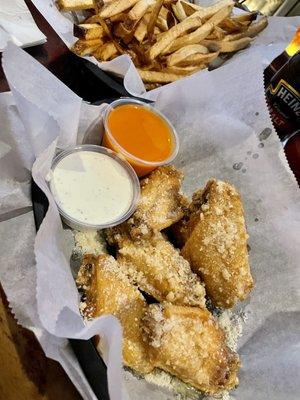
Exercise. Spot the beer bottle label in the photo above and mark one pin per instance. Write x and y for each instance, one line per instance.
(284, 106)
(289, 96)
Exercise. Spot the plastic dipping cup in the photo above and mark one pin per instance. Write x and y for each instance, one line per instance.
(140, 133)
(93, 187)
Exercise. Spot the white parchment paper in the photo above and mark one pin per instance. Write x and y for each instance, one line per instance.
(17, 25)
(219, 117)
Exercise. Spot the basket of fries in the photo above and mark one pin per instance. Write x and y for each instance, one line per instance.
(166, 39)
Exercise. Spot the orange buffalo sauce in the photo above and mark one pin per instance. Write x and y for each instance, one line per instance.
(144, 138)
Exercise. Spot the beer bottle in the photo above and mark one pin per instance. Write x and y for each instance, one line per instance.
(283, 90)
(279, 61)
(283, 97)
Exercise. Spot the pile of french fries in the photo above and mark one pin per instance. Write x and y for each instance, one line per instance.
(166, 39)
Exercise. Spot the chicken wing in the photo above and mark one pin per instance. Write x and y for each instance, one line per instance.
(182, 230)
(188, 343)
(214, 240)
(161, 205)
(108, 291)
(159, 270)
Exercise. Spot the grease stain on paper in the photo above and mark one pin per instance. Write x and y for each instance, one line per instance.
(264, 134)
(237, 166)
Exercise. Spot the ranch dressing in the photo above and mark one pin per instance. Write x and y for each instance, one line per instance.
(91, 187)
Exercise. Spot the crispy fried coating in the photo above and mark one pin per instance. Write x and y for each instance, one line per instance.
(159, 270)
(108, 291)
(188, 343)
(181, 230)
(214, 239)
(161, 205)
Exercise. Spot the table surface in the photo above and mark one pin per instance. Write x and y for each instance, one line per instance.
(25, 372)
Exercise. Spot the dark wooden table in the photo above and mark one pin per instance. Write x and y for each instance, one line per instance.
(25, 372)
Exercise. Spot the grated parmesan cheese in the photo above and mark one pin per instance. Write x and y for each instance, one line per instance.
(232, 324)
(181, 390)
(89, 242)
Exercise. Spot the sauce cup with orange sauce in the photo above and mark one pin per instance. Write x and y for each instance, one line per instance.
(140, 133)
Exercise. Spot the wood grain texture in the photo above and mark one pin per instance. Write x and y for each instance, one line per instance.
(25, 372)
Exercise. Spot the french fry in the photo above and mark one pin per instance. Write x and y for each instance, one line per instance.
(109, 34)
(139, 9)
(153, 18)
(189, 8)
(207, 12)
(75, 5)
(162, 19)
(198, 59)
(248, 18)
(201, 33)
(126, 29)
(105, 52)
(98, 4)
(140, 51)
(184, 70)
(141, 29)
(162, 24)
(252, 31)
(217, 34)
(212, 45)
(86, 47)
(257, 27)
(227, 46)
(121, 30)
(93, 19)
(164, 12)
(181, 54)
(118, 17)
(179, 11)
(166, 39)
(157, 31)
(172, 34)
(234, 36)
(91, 31)
(158, 77)
(230, 25)
(168, 2)
(115, 7)
(234, 45)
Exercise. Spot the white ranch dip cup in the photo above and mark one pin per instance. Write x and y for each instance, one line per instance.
(93, 187)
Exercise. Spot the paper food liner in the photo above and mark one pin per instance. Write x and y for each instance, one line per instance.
(279, 31)
(219, 117)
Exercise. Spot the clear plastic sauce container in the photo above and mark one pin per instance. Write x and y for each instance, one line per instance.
(93, 187)
(140, 133)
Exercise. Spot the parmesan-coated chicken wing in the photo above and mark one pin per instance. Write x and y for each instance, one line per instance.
(214, 240)
(159, 270)
(188, 343)
(108, 291)
(161, 205)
